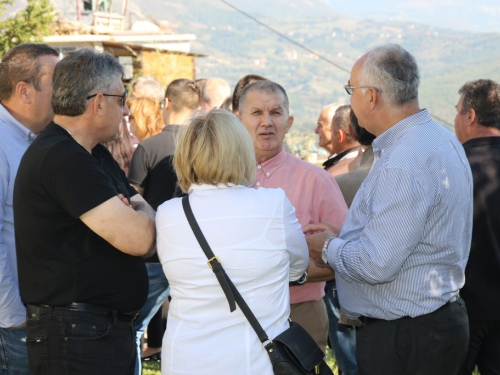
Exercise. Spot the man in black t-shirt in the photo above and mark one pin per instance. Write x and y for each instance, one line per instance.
(477, 126)
(152, 174)
(81, 228)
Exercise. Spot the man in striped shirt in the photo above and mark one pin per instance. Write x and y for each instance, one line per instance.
(401, 254)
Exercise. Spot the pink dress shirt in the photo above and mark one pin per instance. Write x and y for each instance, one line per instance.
(316, 197)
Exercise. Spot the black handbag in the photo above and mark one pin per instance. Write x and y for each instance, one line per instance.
(292, 352)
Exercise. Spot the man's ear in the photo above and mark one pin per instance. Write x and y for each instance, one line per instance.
(97, 105)
(342, 136)
(289, 123)
(167, 103)
(373, 97)
(471, 116)
(23, 91)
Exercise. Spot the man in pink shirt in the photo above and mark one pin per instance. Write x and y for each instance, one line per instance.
(264, 110)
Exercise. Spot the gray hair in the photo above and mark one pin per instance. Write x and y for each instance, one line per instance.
(148, 87)
(266, 86)
(393, 70)
(342, 120)
(80, 74)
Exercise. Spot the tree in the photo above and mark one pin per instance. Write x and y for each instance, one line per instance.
(29, 25)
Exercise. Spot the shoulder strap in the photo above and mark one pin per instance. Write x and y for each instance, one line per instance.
(232, 294)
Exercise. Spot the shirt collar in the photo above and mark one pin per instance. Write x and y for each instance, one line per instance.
(202, 187)
(25, 132)
(395, 132)
(270, 166)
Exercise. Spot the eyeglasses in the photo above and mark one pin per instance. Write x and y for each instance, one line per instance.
(124, 97)
(349, 88)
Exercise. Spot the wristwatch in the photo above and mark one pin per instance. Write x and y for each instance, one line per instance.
(300, 281)
(324, 256)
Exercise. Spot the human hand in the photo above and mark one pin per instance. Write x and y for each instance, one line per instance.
(124, 200)
(321, 227)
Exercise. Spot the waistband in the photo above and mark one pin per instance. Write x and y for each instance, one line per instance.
(36, 311)
(366, 319)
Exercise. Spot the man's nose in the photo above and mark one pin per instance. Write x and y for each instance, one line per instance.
(266, 119)
(126, 111)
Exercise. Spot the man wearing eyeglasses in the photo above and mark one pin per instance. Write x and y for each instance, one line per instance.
(81, 228)
(400, 257)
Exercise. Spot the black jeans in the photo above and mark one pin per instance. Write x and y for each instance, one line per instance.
(431, 344)
(484, 347)
(70, 342)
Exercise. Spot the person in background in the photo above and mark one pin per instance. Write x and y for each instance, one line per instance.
(25, 109)
(122, 148)
(81, 228)
(254, 233)
(400, 258)
(345, 147)
(477, 125)
(146, 117)
(152, 174)
(242, 83)
(324, 128)
(350, 182)
(264, 111)
(213, 93)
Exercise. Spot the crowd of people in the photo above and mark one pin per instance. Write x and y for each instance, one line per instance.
(389, 254)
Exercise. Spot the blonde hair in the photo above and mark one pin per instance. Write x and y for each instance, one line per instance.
(147, 114)
(214, 149)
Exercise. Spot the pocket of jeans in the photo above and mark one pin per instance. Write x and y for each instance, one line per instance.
(79, 328)
(38, 354)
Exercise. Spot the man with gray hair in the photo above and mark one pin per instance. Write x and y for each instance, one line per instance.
(81, 228)
(25, 90)
(344, 146)
(400, 257)
(213, 93)
(148, 87)
(477, 125)
(264, 111)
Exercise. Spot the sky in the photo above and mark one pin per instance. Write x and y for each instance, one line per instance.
(460, 15)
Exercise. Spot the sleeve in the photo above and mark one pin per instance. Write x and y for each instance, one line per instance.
(138, 169)
(75, 180)
(400, 208)
(12, 311)
(330, 204)
(295, 241)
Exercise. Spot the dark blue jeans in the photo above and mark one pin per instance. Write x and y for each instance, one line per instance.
(69, 342)
(13, 353)
(342, 337)
(431, 344)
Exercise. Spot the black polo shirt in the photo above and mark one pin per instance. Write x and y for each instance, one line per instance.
(60, 260)
(482, 274)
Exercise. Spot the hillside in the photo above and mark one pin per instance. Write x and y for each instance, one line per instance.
(236, 46)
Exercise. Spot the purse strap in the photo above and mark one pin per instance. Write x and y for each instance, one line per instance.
(232, 294)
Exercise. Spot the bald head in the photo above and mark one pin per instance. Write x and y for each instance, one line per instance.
(213, 93)
(324, 127)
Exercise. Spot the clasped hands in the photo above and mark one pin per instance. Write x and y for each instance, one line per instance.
(316, 235)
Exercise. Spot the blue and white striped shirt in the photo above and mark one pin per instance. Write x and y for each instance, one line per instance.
(405, 242)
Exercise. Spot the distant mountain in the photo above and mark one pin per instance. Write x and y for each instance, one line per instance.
(236, 46)
(459, 15)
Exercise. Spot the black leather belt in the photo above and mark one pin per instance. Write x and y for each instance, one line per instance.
(366, 319)
(36, 311)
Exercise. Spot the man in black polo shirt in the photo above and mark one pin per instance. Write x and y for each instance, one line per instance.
(81, 228)
(152, 174)
(477, 126)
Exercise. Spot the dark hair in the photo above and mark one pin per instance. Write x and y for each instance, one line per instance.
(242, 83)
(265, 86)
(122, 148)
(342, 120)
(183, 93)
(80, 74)
(483, 96)
(20, 64)
(364, 137)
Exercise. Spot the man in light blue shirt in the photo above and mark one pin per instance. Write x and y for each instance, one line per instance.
(401, 254)
(25, 109)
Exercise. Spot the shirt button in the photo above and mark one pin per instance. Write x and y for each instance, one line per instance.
(258, 183)
(267, 174)
(259, 166)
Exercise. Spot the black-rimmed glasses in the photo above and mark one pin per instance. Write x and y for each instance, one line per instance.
(349, 88)
(124, 97)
